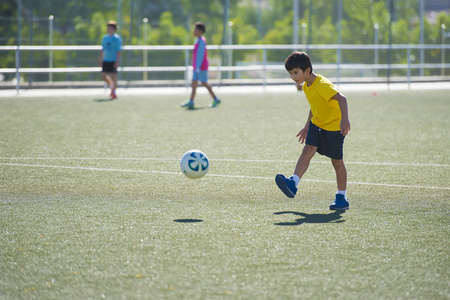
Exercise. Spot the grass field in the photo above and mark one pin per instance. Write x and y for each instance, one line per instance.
(93, 205)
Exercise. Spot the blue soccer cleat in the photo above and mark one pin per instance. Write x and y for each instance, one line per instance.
(340, 203)
(286, 185)
(215, 102)
(189, 104)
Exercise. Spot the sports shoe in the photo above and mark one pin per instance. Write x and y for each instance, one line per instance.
(113, 95)
(286, 185)
(215, 103)
(189, 104)
(340, 203)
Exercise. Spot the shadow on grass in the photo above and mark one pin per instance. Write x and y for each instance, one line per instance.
(103, 100)
(188, 220)
(333, 217)
(195, 108)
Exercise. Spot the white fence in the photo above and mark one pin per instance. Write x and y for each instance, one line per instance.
(263, 66)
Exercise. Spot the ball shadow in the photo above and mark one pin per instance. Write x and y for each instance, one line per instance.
(188, 220)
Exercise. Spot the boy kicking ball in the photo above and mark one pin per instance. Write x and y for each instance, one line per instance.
(324, 131)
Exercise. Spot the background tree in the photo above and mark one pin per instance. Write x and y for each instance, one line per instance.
(170, 22)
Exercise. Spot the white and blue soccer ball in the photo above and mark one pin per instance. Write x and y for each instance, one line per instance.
(194, 164)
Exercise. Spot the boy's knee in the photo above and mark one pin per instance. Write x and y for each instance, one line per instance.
(337, 163)
(309, 150)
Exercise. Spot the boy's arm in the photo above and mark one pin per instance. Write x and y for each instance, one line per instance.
(304, 131)
(116, 63)
(100, 59)
(310, 115)
(200, 55)
(345, 122)
(119, 52)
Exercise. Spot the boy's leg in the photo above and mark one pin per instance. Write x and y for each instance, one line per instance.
(216, 101)
(114, 80)
(106, 78)
(289, 185)
(190, 104)
(341, 173)
(341, 202)
(209, 88)
(194, 89)
(114, 85)
(304, 160)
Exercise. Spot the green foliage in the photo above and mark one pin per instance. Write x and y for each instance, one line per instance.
(170, 22)
(168, 33)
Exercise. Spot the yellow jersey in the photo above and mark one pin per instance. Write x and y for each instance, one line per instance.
(326, 112)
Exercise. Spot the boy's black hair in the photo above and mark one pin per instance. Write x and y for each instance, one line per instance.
(298, 60)
(200, 26)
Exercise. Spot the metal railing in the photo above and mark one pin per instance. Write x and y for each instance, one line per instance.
(264, 67)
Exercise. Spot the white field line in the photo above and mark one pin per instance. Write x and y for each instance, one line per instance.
(216, 175)
(225, 160)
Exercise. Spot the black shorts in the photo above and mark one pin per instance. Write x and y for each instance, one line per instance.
(328, 143)
(108, 67)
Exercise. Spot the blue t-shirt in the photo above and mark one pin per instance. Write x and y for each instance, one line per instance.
(111, 44)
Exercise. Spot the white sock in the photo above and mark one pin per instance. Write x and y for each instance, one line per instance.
(343, 192)
(296, 179)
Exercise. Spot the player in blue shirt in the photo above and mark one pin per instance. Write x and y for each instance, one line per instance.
(110, 56)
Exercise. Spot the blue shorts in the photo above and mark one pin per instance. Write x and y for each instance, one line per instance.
(202, 76)
(328, 143)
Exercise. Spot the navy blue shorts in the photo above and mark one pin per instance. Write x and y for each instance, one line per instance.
(328, 143)
(108, 67)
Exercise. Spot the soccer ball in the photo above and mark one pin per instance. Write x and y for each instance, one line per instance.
(194, 164)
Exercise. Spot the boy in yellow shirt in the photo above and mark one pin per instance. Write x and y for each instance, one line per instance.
(324, 131)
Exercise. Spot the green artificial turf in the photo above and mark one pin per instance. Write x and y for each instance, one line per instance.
(93, 204)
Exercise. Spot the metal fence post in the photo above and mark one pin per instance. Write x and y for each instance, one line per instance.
(375, 42)
(17, 70)
(50, 42)
(304, 34)
(443, 50)
(145, 55)
(422, 34)
(230, 52)
(338, 62)
(295, 24)
(264, 68)
(186, 65)
(219, 67)
(339, 50)
(408, 72)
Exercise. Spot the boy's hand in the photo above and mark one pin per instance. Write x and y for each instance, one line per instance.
(302, 135)
(345, 126)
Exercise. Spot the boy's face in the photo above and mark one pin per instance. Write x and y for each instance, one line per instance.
(298, 75)
(197, 32)
(111, 30)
